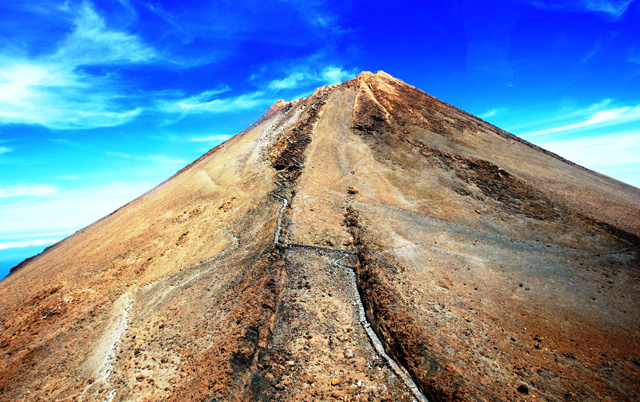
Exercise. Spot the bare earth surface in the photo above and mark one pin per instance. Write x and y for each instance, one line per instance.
(366, 243)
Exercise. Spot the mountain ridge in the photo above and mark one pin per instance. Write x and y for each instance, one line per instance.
(364, 74)
(487, 268)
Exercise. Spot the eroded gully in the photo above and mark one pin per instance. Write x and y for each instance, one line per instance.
(373, 338)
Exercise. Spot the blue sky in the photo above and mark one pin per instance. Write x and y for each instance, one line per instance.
(102, 100)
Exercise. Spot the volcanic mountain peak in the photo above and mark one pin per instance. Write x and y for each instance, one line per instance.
(368, 242)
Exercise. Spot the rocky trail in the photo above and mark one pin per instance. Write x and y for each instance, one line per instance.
(364, 322)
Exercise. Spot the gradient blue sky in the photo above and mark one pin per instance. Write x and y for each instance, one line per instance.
(101, 101)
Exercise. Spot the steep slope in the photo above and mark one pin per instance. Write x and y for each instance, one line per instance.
(369, 242)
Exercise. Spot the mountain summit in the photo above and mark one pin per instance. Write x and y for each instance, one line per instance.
(369, 242)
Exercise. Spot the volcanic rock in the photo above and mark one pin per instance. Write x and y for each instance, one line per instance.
(453, 260)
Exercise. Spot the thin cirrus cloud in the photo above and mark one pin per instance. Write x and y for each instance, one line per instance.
(58, 90)
(40, 235)
(4, 150)
(211, 138)
(74, 208)
(616, 149)
(602, 136)
(28, 243)
(614, 154)
(151, 158)
(491, 113)
(54, 91)
(27, 191)
(208, 102)
(92, 42)
(596, 118)
(614, 8)
(304, 77)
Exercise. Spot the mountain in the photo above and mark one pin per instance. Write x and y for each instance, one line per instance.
(368, 242)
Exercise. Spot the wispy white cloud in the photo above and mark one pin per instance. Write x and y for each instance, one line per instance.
(66, 209)
(335, 75)
(168, 159)
(614, 154)
(32, 239)
(54, 91)
(153, 158)
(28, 243)
(211, 138)
(40, 235)
(162, 13)
(301, 76)
(4, 150)
(614, 8)
(92, 42)
(603, 136)
(27, 191)
(131, 10)
(208, 102)
(291, 81)
(318, 13)
(74, 83)
(491, 113)
(621, 148)
(304, 76)
(596, 118)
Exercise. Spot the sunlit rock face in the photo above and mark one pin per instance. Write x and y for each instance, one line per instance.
(369, 242)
